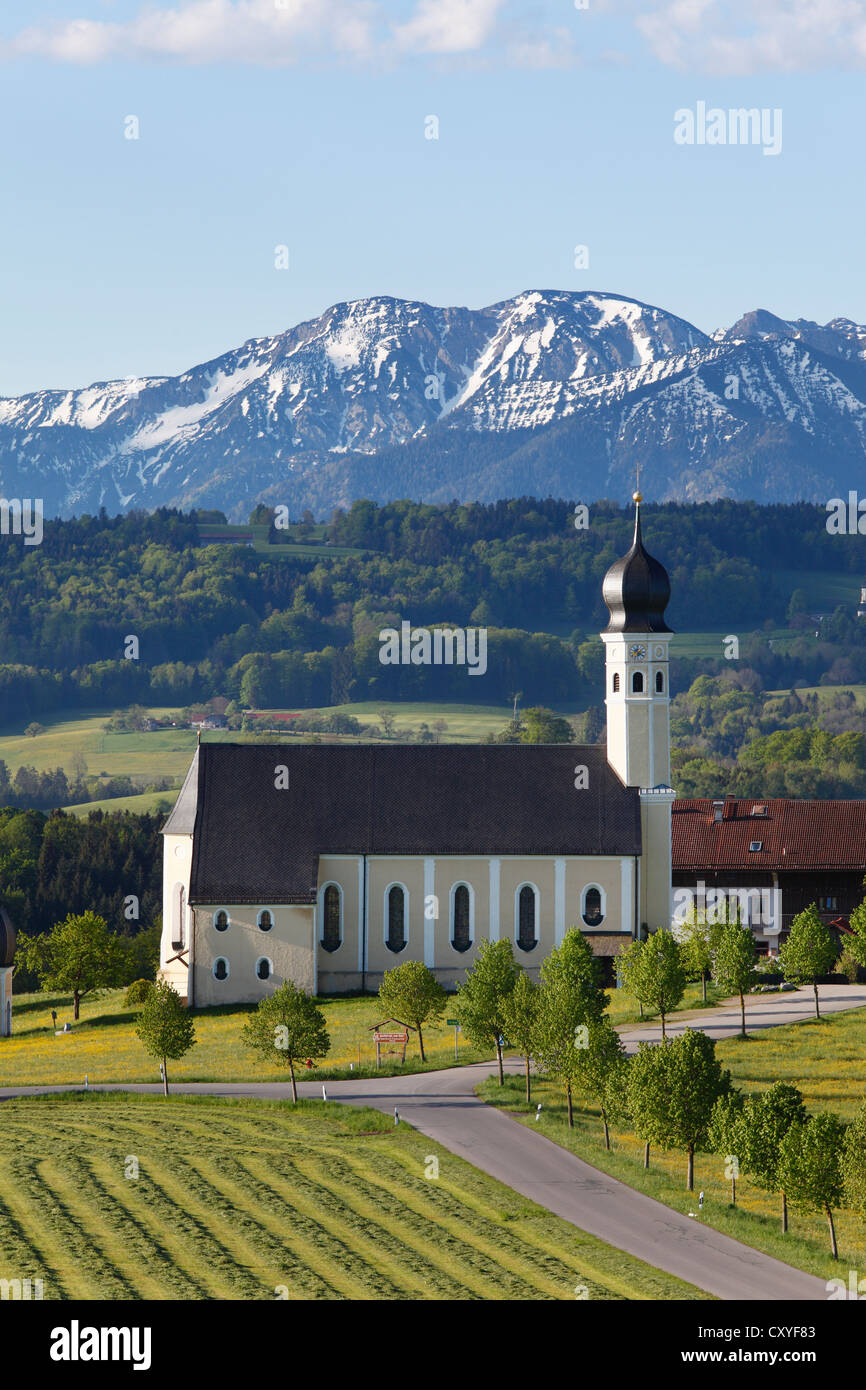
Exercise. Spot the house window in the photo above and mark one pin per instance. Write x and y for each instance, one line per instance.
(395, 938)
(637, 682)
(461, 926)
(264, 968)
(755, 846)
(221, 920)
(332, 918)
(593, 907)
(616, 680)
(660, 682)
(220, 968)
(266, 921)
(527, 915)
(829, 904)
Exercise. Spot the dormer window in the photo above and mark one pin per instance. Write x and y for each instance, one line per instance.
(718, 811)
(755, 846)
(759, 810)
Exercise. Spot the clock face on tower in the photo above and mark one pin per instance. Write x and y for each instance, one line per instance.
(637, 652)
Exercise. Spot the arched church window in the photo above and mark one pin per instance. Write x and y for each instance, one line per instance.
(660, 682)
(221, 920)
(332, 918)
(461, 938)
(220, 968)
(616, 680)
(527, 935)
(396, 937)
(263, 968)
(592, 911)
(266, 921)
(178, 933)
(637, 682)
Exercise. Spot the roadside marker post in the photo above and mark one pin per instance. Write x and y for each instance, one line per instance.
(456, 1024)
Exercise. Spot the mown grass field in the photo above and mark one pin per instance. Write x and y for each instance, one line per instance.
(115, 1197)
(826, 1061)
(103, 1044)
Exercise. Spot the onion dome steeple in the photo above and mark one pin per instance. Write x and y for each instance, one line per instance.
(636, 589)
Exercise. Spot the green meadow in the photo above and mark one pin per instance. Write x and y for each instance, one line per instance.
(120, 1197)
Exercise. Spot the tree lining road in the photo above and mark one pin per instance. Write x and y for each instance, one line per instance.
(443, 1106)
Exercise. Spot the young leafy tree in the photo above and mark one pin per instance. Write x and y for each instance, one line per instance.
(853, 1162)
(734, 963)
(287, 1027)
(412, 994)
(520, 1012)
(767, 1117)
(628, 966)
(697, 938)
(661, 978)
(725, 1136)
(810, 1167)
(480, 1000)
(601, 1073)
(165, 1026)
(571, 999)
(79, 956)
(809, 951)
(695, 1082)
(646, 1093)
(856, 944)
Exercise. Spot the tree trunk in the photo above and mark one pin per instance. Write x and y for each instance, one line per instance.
(704, 985)
(640, 1006)
(528, 1095)
(814, 986)
(294, 1083)
(421, 1043)
(663, 1024)
(743, 1013)
(784, 1213)
(570, 1110)
(76, 1003)
(733, 1190)
(646, 1154)
(833, 1246)
(690, 1183)
(499, 1060)
(164, 1078)
(606, 1130)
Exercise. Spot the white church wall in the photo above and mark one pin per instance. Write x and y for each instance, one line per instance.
(289, 947)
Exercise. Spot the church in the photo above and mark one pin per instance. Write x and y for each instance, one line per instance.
(328, 865)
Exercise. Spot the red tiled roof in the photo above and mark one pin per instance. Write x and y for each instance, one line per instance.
(793, 834)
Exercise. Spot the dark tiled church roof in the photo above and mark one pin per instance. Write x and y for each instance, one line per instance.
(257, 844)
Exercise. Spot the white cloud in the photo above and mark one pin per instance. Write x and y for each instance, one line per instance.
(746, 36)
(449, 26)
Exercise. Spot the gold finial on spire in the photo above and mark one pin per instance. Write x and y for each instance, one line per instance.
(636, 495)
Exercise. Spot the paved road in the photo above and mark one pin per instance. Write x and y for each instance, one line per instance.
(763, 1011)
(443, 1106)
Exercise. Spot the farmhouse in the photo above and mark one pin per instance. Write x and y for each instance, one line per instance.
(328, 865)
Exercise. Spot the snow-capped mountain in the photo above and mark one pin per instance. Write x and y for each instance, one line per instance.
(551, 391)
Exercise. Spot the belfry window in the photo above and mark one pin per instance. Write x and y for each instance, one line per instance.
(461, 938)
(395, 939)
(660, 682)
(527, 918)
(637, 682)
(332, 918)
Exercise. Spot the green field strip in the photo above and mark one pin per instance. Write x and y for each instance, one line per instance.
(125, 1209)
(190, 1231)
(199, 1198)
(108, 1254)
(325, 1253)
(393, 1263)
(20, 1258)
(474, 1256)
(87, 1273)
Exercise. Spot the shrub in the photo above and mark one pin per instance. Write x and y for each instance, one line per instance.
(137, 993)
(849, 967)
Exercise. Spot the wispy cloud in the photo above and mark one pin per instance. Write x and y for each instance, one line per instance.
(745, 36)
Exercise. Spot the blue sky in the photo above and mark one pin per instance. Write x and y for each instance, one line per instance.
(302, 124)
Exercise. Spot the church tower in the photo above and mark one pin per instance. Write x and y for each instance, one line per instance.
(637, 647)
(637, 639)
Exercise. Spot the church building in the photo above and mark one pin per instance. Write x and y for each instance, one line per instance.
(328, 865)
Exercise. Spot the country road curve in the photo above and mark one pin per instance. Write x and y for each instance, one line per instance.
(443, 1105)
